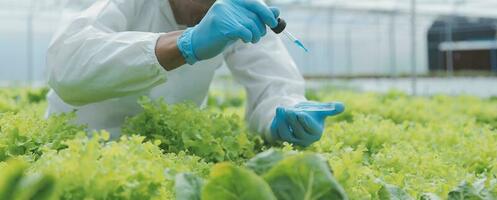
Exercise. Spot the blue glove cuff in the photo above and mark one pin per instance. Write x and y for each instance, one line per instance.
(185, 46)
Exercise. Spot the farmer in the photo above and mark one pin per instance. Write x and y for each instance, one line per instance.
(106, 57)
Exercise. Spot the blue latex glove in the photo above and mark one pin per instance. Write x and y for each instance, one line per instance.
(303, 124)
(226, 22)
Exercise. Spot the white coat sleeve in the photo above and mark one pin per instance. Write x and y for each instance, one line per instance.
(270, 77)
(94, 58)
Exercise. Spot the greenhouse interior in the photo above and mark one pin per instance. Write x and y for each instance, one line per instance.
(248, 99)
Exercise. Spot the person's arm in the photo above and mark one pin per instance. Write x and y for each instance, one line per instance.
(94, 58)
(270, 77)
(167, 51)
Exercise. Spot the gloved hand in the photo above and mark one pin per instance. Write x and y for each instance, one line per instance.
(303, 124)
(226, 22)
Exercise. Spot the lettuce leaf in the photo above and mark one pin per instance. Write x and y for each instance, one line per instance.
(36, 186)
(475, 191)
(305, 176)
(188, 186)
(229, 182)
(10, 176)
(429, 196)
(264, 161)
(392, 192)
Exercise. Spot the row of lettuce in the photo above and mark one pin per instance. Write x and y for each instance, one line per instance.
(385, 147)
(180, 146)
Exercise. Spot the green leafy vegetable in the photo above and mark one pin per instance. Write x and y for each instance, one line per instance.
(264, 161)
(128, 169)
(420, 144)
(429, 196)
(188, 186)
(16, 184)
(229, 182)
(476, 191)
(10, 176)
(18, 99)
(305, 176)
(35, 186)
(392, 192)
(183, 127)
(26, 133)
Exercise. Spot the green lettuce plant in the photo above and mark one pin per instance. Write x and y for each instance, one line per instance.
(229, 182)
(27, 133)
(127, 169)
(17, 184)
(285, 176)
(183, 127)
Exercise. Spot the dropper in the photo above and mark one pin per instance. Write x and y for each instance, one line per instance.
(281, 28)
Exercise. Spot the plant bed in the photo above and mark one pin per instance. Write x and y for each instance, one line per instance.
(386, 146)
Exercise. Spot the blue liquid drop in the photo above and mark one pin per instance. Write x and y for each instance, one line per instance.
(301, 45)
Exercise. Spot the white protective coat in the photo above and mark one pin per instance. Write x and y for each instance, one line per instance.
(103, 59)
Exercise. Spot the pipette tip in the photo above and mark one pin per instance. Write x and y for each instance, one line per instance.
(301, 45)
(295, 40)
